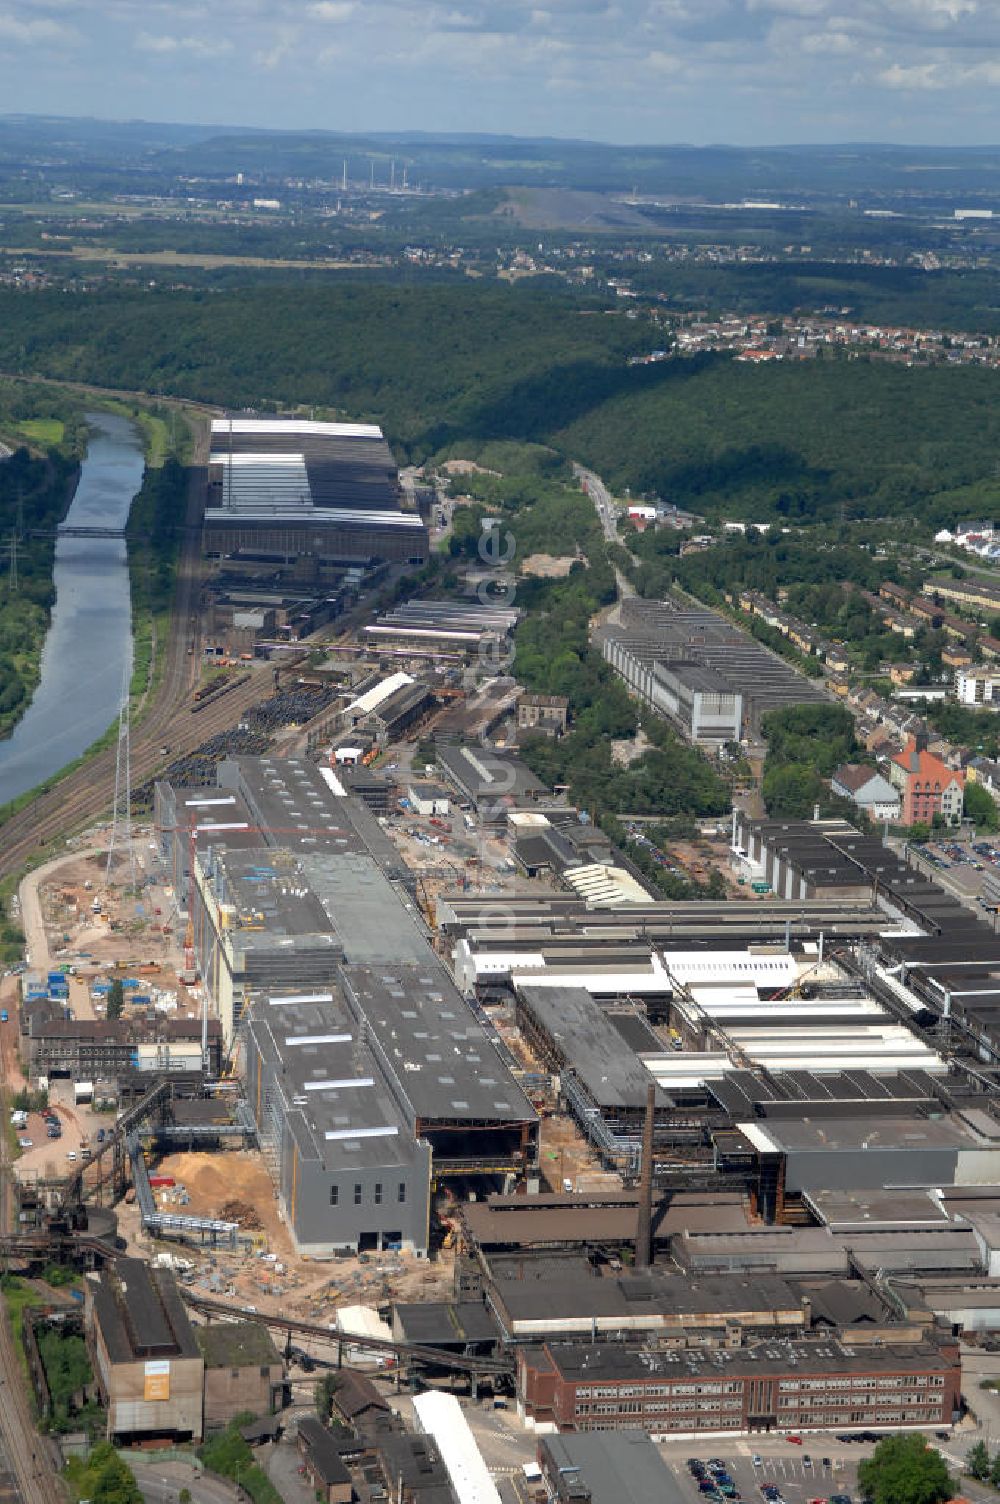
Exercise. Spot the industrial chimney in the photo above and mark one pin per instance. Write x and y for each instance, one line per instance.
(644, 1226)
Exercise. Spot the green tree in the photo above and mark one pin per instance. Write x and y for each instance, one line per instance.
(104, 1478)
(980, 806)
(325, 1390)
(978, 1461)
(116, 999)
(995, 1471)
(905, 1470)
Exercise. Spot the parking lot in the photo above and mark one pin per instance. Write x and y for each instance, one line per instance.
(799, 1474)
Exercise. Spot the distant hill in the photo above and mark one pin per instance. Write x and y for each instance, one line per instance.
(921, 175)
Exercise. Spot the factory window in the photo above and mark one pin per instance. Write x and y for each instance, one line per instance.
(402, 1192)
(357, 1194)
(378, 1193)
(334, 1195)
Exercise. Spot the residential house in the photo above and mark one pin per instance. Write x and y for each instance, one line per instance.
(927, 786)
(866, 788)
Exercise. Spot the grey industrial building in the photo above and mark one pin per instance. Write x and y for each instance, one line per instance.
(367, 1072)
(622, 1467)
(348, 1171)
(448, 628)
(493, 782)
(693, 666)
(306, 496)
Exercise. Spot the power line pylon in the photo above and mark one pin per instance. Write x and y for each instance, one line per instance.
(121, 818)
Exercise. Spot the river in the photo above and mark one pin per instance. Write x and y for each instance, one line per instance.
(89, 643)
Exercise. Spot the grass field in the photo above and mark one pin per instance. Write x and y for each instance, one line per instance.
(183, 258)
(47, 431)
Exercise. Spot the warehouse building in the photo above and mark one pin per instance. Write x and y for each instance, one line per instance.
(770, 1385)
(448, 629)
(306, 497)
(367, 1072)
(493, 782)
(740, 683)
(149, 1367)
(349, 1174)
(619, 1468)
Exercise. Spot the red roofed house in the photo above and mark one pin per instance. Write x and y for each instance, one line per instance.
(928, 787)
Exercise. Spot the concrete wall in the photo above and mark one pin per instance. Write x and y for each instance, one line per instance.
(231, 1391)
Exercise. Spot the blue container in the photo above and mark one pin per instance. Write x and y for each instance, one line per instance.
(142, 1001)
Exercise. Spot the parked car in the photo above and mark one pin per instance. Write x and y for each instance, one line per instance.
(757, 1460)
(101, 1135)
(71, 1155)
(795, 1440)
(806, 1460)
(24, 1143)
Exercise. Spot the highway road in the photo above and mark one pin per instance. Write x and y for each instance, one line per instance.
(601, 497)
(608, 518)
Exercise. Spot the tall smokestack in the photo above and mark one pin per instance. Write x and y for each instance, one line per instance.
(644, 1226)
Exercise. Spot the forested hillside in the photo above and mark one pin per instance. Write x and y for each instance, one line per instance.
(829, 439)
(431, 362)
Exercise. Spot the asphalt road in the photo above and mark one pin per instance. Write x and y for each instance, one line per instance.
(161, 1483)
(601, 497)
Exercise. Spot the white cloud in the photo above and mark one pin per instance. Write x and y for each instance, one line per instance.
(332, 10)
(828, 43)
(920, 76)
(34, 32)
(195, 46)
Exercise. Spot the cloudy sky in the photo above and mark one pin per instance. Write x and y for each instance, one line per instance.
(741, 71)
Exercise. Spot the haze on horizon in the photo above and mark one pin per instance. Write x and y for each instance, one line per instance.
(620, 71)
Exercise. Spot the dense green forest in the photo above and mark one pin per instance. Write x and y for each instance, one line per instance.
(433, 363)
(834, 440)
(796, 443)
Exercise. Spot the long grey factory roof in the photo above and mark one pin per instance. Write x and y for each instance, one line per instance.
(364, 910)
(843, 1210)
(265, 887)
(857, 1133)
(442, 1324)
(340, 517)
(591, 1046)
(648, 1294)
(698, 677)
(296, 807)
(332, 1080)
(445, 1063)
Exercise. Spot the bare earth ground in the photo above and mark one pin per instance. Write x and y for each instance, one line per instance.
(548, 566)
(290, 1284)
